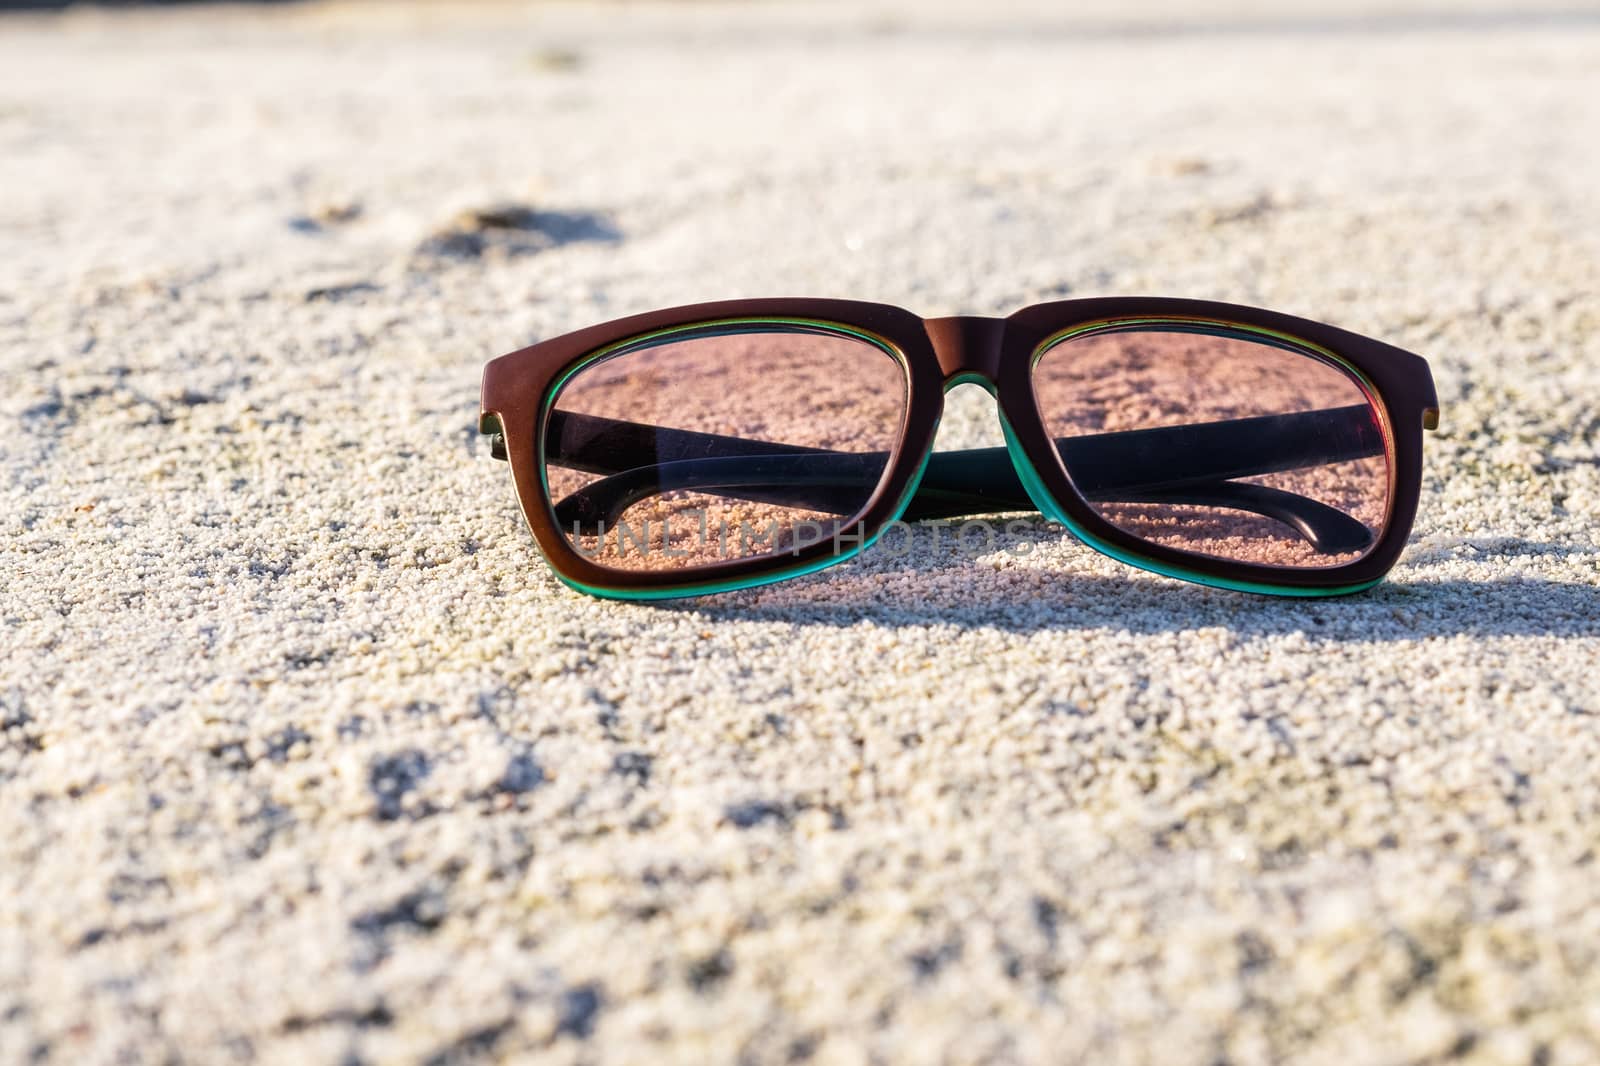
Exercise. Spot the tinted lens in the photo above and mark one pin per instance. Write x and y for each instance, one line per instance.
(722, 443)
(1219, 441)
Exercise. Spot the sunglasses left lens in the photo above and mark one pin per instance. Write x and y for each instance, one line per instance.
(1218, 440)
(727, 442)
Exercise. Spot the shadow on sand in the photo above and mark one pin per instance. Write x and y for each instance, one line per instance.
(1036, 598)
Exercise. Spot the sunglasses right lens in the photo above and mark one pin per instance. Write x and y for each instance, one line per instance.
(727, 442)
(1218, 440)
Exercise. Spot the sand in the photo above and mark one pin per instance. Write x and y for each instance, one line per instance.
(305, 757)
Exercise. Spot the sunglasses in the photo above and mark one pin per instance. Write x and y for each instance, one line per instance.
(726, 445)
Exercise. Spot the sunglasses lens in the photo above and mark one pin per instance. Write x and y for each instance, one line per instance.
(1219, 441)
(721, 443)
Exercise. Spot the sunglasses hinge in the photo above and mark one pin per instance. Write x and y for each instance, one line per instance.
(489, 425)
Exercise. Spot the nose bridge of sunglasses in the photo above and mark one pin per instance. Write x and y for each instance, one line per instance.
(967, 346)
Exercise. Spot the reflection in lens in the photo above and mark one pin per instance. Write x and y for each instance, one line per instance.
(721, 443)
(1218, 440)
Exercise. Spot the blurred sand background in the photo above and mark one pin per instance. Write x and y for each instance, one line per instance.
(306, 758)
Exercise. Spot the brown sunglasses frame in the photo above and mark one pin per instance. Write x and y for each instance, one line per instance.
(998, 353)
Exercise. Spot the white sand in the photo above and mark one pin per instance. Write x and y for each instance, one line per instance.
(306, 757)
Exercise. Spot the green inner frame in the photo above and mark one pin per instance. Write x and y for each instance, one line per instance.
(1029, 475)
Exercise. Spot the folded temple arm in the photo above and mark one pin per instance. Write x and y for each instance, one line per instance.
(1191, 465)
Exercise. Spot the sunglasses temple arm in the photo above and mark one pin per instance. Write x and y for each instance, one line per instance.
(1187, 465)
